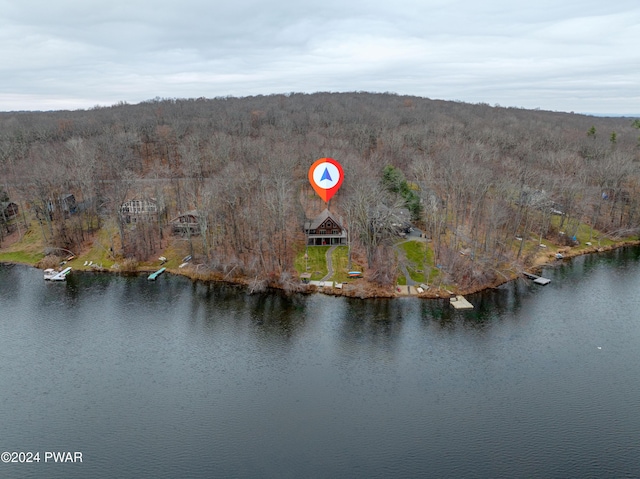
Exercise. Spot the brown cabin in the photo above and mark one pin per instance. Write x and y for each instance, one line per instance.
(325, 229)
(8, 210)
(186, 223)
(67, 204)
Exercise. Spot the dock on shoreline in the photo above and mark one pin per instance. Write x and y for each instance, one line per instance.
(154, 276)
(459, 302)
(537, 279)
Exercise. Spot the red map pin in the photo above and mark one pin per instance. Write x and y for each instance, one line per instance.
(326, 176)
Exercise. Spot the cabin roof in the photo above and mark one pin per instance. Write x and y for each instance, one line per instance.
(143, 199)
(193, 213)
(318, 220)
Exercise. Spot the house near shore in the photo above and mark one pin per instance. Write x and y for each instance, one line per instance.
(325, 229)
(186, 223)
(139, 210)
(8, 211)
(391, 219)
(401, 218)
(66, 203)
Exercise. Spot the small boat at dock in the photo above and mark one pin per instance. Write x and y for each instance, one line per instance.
(154, 276)
(54, 275)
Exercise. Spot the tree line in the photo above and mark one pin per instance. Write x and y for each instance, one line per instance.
(473, 177)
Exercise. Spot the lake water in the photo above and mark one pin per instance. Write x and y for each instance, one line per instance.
(174, 379)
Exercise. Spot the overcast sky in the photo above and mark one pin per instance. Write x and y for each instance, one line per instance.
(563, 55)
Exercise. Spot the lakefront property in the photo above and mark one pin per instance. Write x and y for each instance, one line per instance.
(325, 229)
(436, 198)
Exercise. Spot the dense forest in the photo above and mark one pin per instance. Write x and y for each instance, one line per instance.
(475, 178)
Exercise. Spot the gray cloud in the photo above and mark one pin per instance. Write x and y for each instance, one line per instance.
(571, 56)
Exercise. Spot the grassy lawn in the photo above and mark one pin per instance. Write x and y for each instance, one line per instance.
(419, 262)
(585, 235)
(175, 249)
(316, 262)
(21, 257)
(340, 260)
(99, 253)
(175, 252)
(28, 250)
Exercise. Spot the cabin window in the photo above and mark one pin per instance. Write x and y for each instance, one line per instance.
(336, 232)
(323, 232)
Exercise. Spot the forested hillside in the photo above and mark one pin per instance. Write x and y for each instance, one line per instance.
(479, 179)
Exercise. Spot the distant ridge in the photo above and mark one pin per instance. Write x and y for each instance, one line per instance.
(613, 115)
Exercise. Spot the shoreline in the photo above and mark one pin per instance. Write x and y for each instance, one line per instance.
(361, 290)
(552, 261)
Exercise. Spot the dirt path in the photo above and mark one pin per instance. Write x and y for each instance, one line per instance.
(409, 280)
(329, 264)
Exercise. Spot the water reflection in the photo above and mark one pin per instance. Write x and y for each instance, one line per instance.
(272, 313)
(582, 267)
(276, 313)
(180, 379)
(507, 300)
(373, 329)
(10, 282)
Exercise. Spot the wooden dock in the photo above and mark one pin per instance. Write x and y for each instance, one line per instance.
(459, 302)
(537, 279)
